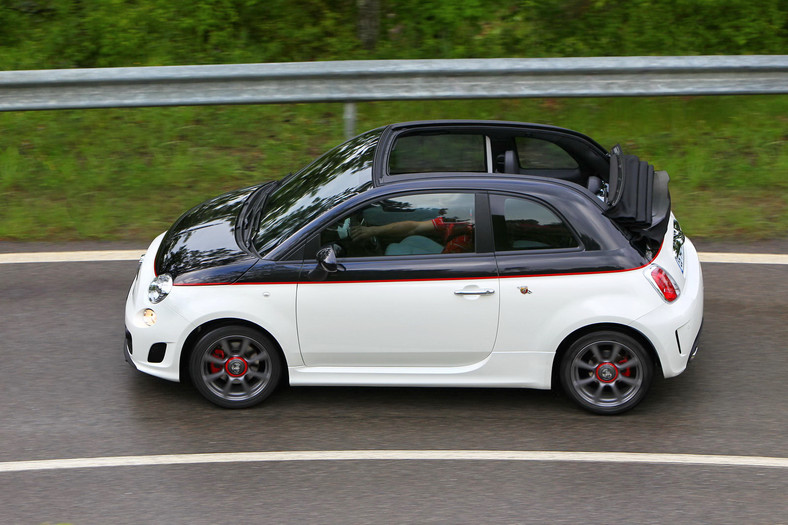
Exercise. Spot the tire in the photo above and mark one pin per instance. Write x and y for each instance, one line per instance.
(235, 367)
(606, 372)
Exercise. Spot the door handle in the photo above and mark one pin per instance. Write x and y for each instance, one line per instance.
(487, 291)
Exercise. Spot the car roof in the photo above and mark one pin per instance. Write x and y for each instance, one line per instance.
(489, 124)
(496, 182)
(578, 145)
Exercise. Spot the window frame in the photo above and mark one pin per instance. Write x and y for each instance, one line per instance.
(484, 150)
(511, 195)
(483, 241)
(387, 140)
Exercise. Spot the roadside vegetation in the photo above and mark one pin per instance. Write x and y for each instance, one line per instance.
(127, 174)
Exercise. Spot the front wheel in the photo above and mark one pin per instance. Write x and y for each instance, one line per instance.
(235, 366)
(606, 372)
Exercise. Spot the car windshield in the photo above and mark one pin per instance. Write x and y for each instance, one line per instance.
(336, 176)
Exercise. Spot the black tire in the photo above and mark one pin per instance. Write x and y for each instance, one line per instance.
(235, 366)
(606, 372)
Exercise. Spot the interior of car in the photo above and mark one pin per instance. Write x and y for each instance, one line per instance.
(536, 153)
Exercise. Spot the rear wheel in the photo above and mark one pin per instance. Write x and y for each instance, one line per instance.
(606, 372)
(235, 366)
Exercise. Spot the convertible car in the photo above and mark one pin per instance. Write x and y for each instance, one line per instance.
(434, 254)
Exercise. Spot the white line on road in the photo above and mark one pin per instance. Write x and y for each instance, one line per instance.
(134, 255)
(397, 455)
(58, 257)
(743, 258)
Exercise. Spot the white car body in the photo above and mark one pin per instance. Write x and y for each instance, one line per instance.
(364, 273)
(525, 329)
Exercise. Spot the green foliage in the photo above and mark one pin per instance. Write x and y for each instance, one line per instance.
(39, 34)
(649, 27)
(128, 173)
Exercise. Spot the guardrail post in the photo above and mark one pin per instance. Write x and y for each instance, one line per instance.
(350, 120)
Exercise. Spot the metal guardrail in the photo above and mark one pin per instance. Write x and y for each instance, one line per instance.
(357, 81)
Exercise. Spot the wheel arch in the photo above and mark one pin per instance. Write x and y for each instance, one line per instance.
(194, 336)
(600, 327)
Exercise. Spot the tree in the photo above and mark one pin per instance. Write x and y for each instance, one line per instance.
(368, 22)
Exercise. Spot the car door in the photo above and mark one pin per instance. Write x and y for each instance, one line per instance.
(422, 298)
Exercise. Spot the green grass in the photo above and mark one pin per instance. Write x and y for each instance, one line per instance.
(127, 174)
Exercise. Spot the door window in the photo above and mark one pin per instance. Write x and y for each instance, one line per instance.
(420, 224)
(523, 224)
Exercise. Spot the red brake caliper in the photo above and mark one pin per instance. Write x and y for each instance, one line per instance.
(628, 371)
(218, 354)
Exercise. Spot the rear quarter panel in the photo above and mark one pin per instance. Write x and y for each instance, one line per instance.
(556, 306)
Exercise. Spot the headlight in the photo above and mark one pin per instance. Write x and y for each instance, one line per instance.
(159, 288)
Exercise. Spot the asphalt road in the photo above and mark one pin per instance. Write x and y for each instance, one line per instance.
(67, 393)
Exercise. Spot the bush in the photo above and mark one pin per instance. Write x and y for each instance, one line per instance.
(40, 34)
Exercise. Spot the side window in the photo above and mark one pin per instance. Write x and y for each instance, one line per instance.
(437, 153)
(541, 154)
(523, 224)
(419, 224)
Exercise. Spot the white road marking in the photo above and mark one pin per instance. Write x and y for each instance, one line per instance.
(744, 258)
(397, 455)
(58, 257)
(134, 255)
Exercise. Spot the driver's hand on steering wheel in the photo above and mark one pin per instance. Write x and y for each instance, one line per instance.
(359, 233)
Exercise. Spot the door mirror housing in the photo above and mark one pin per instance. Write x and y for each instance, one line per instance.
(326, 263)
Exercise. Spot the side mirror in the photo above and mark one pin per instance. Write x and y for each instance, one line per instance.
(326, 264)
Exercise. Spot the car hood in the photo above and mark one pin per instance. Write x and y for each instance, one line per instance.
(200, 247)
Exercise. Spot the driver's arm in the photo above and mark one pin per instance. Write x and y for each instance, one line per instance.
(395, 229)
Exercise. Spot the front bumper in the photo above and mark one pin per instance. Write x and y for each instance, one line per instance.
(127, 345)
(155, 349)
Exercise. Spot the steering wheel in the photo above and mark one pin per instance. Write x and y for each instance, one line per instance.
(370, 244)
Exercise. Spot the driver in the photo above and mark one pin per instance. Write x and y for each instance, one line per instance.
(417, 236)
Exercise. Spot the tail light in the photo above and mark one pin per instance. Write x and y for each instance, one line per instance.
(663, 283)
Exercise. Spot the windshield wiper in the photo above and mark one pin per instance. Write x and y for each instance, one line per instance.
(284, 179)
(252, 220)
(250, 215)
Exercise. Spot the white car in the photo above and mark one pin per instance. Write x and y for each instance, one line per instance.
(442, 254)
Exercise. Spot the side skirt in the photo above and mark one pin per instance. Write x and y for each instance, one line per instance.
(514, 370)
